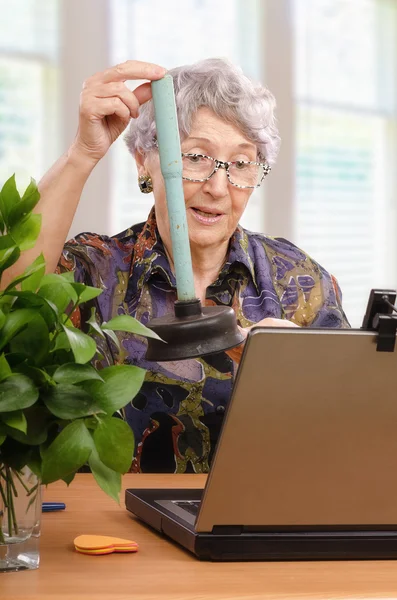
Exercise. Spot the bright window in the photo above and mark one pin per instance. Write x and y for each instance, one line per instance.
(346, 115)
(28, 86)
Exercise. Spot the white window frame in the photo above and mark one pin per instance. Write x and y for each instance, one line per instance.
(85, 50)
(278, 33)
(278, 76)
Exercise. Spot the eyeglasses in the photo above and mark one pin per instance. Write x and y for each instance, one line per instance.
(240, 173)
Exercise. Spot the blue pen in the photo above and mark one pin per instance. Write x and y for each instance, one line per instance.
(52, 506)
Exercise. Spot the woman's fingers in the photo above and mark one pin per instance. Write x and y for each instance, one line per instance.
(107, 105)
(110, 83)
(117, 90)
(271, 322)
(143, 92)
(131, 69)
(112, 106)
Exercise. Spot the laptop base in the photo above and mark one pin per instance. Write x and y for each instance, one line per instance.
(240, 544)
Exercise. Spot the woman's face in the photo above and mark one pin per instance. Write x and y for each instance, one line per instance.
(213, 207)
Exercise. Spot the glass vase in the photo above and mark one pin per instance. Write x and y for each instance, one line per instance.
(20, 515)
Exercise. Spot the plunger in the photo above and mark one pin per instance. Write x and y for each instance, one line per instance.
(193, 330)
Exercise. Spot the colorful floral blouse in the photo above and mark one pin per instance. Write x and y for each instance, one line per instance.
(177, 414)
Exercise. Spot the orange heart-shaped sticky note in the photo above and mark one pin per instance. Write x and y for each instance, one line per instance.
(103, 544)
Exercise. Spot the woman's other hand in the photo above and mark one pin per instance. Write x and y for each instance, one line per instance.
(236, 353)
(107, 105)
(270, 322)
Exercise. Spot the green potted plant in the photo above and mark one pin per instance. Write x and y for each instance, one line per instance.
(57, 411)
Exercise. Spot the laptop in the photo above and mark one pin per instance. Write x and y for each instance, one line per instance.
(306, 463)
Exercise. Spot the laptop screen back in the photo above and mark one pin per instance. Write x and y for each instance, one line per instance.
(310, 436)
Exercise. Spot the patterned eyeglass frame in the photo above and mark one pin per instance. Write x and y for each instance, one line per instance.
(222, 164)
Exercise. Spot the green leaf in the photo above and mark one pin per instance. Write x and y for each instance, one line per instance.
(57, 290)
(5, 370)
(39, 376)
(15, 361)
(33, 341)
(33, 275)
(106, 478)
(26, 275)
(82, 345)
(67, 276)
(29, 200)
(122, 383)
(17, 392)
(6, 302)
(9, 257)
(78, 287)
(34, 462)
(111, 335)
(131, 325)
(16, 420)
(89, 293)
(28, 299)
(2, 319)
(61, 342)
(114, 441)
(69, 402)
(59, 280)
(9, 197)
(16, 322)
(24, 299)
(68, 452)
(85, 292)
(38, 420)
(71, 373)
(2, 438)
(6, 241)
(15, 455)
(27, 231)
(69, 478)
(94, 323)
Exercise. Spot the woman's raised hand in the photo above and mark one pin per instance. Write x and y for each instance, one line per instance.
(107, 105)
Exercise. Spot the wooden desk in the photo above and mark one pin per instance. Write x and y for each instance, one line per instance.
(162, 570)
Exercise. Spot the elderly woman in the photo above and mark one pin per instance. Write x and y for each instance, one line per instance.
(229, 141)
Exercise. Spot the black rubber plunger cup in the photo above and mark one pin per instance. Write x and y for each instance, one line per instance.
(192, 330)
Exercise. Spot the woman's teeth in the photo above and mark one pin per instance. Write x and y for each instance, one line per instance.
(205, 217)
(206, 214)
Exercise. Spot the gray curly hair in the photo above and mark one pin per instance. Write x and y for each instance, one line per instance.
(221, 86)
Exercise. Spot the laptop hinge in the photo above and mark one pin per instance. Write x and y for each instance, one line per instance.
(227, 529)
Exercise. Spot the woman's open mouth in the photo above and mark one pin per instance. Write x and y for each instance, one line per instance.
(207, 218)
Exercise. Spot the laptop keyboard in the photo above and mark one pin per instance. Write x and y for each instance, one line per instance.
(192, 506)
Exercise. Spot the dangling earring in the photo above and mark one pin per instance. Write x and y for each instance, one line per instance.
(145, 184)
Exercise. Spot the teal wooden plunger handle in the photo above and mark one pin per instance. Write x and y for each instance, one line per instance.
(171, 167)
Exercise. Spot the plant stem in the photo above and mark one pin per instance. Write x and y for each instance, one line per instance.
(9, 502)
(68, 314)
(2, 494)
(8, 493)
(34, 488)
(11, 481)
(14, 518)
(2, 538)
(21, 481)
(33, 499)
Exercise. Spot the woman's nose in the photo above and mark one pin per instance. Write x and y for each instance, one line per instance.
(218, 184)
